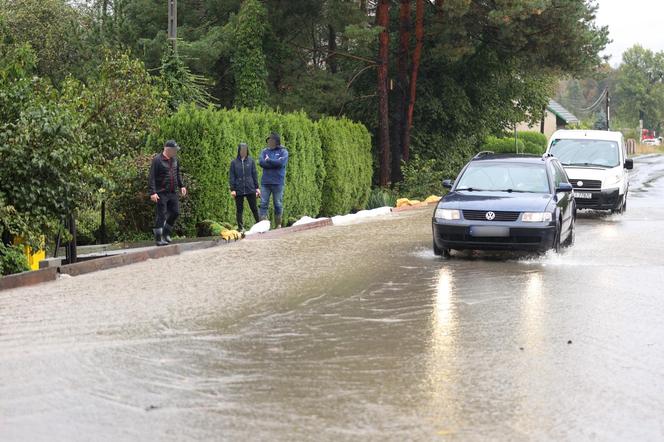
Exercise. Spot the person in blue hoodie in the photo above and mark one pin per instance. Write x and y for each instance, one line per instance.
(244, 184)
(273, 160)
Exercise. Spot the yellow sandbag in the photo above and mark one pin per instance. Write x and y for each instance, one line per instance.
(230, 235)
(403, 202)
(432, 199)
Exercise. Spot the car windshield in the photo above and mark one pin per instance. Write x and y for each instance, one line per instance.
(598, 153)
(504, 177)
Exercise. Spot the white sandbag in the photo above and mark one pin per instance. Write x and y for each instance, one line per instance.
(360, 216)
(306, 220)
(259, 227)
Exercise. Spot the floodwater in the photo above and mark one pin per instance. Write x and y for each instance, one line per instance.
(351, 333)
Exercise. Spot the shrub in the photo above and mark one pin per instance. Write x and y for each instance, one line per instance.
(348, 165)
(421, 178)
(381, 198)
(535, 142)
(12, 260)
(503, 145)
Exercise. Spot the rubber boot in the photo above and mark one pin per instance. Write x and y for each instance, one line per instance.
(168, 229)
(158, 238)
(277, 221)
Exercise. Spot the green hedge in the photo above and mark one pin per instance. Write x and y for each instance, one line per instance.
(209, 140)
(503, 145)
(527, 142)
(348, 164)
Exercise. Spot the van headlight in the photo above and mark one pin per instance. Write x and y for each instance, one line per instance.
(448, 214)
(612, 180)
(536, 217)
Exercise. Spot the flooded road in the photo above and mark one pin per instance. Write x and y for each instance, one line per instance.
(352, 333)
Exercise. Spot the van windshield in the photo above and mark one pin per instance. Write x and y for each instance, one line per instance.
(597, 153)
(504, 177)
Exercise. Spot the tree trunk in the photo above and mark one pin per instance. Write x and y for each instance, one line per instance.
(332, 64)
(417, 56)
(400, 129)
(363, 6)
(383, 20)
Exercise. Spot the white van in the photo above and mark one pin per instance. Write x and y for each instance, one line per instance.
(596, 163)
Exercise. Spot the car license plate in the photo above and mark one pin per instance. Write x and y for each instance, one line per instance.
(489, 231)
(583, 195)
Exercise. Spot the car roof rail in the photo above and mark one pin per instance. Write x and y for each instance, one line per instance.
(483, 153)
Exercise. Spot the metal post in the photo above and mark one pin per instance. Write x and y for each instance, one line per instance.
(71, 246)
(173, 22)
(516, 145)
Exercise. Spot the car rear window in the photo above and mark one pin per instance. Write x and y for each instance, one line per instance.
(599, 153)
(499, 176)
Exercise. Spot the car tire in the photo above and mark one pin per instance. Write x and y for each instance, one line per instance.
(571, 237)
(445, 253)
(436, 250)
(557, 246)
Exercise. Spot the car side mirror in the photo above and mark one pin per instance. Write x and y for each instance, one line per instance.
(629, 164)
(564, 187)
(448, 184)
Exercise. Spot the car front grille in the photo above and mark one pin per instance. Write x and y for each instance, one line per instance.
(587, 184)
(480, 215)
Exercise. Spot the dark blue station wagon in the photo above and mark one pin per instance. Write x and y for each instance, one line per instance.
(506, 202)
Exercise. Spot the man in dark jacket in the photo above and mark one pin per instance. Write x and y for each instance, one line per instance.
(244, 183)
(164, 182)
(273, 160)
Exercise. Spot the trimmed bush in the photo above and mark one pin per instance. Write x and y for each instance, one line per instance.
(503, 145)
(210, 137)
(534, 142)
(348, 164)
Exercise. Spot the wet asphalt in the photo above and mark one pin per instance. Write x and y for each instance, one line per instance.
(352, 333)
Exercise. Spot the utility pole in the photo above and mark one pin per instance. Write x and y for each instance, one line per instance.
(608, 110)
(173, 22)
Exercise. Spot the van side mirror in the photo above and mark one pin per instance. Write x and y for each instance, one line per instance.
(448, 184)
(629, 164)
(564, 187)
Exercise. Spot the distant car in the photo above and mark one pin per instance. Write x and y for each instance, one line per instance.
(651, 142)
(597, 164)
(506, 202)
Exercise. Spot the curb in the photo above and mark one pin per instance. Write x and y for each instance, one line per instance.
(26, 279)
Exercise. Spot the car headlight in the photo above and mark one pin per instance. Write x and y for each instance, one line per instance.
(448, 214)
(536, 217)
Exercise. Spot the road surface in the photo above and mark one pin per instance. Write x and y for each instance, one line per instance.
(351, 333)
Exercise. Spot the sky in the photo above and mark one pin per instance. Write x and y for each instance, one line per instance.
(631, 22)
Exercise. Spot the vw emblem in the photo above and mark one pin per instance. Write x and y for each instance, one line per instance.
(579, 183)
(490, 216)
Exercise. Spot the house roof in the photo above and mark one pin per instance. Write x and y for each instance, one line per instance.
(561, 112)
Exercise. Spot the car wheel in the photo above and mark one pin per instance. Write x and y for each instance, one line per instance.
(436, 249)
(557, 246)
(571, 237)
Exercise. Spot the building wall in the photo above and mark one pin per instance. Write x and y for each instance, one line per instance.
(550, 125)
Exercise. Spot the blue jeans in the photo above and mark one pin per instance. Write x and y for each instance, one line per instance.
(277, 193)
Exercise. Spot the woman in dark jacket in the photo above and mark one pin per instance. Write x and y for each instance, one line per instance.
(244, 183)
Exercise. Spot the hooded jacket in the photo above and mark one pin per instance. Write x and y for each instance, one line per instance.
(243, 178)
(273, 162)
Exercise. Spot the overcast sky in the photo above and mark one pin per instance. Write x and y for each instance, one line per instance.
(631, 22)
